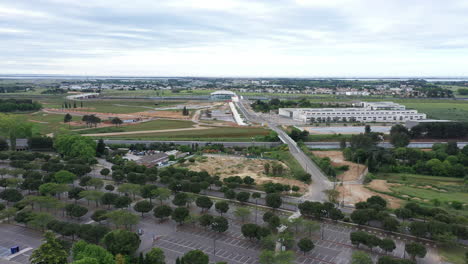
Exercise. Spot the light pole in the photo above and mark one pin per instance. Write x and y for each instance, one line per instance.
(214, 238)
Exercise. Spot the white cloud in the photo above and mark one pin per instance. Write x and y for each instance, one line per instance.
(235, 37)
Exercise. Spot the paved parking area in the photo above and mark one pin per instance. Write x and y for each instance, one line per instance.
(13, 235)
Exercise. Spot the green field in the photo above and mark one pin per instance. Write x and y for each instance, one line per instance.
(425, 189)
(123, 106)
(44, 123)
(441, 109)
(286, 157)
(150, 125)
(428, 194)
(213, 134)
(453, 254)
(422, 180)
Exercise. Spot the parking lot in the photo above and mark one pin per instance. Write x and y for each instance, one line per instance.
(13, 235)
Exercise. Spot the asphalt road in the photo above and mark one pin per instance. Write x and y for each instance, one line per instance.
(313, 145)
(320, 181)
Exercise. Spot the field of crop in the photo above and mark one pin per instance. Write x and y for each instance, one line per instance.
(213, 134)
(150, 125)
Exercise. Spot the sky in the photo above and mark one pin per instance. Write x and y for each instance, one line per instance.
(235, 38)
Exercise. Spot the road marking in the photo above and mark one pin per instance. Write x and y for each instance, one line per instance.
(18, 253)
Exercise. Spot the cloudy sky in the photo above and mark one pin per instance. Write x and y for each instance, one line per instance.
(297, 38)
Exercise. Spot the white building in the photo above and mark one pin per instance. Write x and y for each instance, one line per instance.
(366, 112)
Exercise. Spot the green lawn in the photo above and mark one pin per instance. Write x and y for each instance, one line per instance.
(44, 123)
(150, 125)
(428, 194)
(443, 109)
(213, 134)
(418, 179)
(123, 106)
(453, 254)
(286, 157)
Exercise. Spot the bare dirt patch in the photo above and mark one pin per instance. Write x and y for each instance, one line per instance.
(355, 170)
(354, 193)
(226, 166)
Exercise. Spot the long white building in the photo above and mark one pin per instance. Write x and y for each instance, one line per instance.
(363, 112)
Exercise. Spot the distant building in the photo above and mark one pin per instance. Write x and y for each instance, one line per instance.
(21, 144)
(366, 112)
(222, 95)
(153, 160)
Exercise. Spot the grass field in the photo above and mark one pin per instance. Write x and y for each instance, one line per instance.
(123, 106)
(47, 123)
(286, 157)
(213, 134)
(453, 254)
(425, 189)
(418, 179)
(442, 109)
(428, 194)
(150, 125)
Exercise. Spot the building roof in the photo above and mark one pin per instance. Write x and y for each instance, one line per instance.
(222, 92)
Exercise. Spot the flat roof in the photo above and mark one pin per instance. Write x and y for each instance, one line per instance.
(223, 92)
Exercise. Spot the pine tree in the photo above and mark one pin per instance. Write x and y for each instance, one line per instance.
(81, 104)
(50, 252)
(74, 104)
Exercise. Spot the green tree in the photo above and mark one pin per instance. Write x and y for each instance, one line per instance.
(123, 218)
(180, 215)
(155, 256)
(50, 252)
(162, 194)
(222, 207)
(305, 245)
(82, 250)
(415, 250)
(273, 200)
(180, 199)
(143, 207)
(162, 211)
(205, 220)
(67, 119)
(109, 199)
(195, 257)
(40, 220)
(104, 172)
(75, 146)
(243, 197)
(242, 213)
(130, 188)
(92, 195)
(122, 202)
(8, 213)
(204, 203)
(12, 127)
(64, 177)
(219, 224)
(399, 140)
(121, 242)
(11, 195)
(360, 257)
(387, 245)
